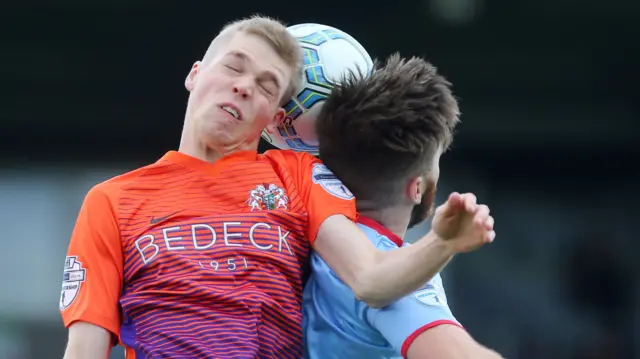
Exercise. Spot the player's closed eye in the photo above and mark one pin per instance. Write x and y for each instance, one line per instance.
(233, 68)
(268, 89)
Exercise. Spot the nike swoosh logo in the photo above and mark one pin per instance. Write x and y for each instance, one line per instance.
(155, 220)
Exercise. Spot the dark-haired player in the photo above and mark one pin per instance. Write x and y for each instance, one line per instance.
(383, 137)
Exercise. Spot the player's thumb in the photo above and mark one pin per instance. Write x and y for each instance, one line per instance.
(453, 205)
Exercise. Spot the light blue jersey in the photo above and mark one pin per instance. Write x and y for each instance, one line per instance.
(338, 326)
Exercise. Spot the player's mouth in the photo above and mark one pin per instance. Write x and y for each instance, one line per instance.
(232, 110)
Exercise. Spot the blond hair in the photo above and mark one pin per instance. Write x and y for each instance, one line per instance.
(275, 33)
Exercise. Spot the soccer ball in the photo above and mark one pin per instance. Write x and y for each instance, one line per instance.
(328, 55)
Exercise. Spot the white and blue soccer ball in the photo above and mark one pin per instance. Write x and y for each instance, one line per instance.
(328, 54)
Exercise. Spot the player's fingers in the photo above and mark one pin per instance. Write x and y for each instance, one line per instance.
(489, 236)
(455, 200)
(453, 204)
(488, 224)
(483, 209)
(470, 200)
(481, 214)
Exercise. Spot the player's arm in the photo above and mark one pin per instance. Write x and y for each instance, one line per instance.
(421, 326)
(87, 340)
(378, 278)
(92, 280)
(448, 342)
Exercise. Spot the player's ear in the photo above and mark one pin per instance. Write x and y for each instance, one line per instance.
(415, 189)
(276, 121)
(190, 81)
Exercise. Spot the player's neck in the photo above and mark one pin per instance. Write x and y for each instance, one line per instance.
(191, 145)
(394, 219)
(204, 154)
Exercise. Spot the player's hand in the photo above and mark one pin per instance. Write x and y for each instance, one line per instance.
(463, 223)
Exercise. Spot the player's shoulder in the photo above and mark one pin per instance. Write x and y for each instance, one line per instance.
(115, 186)
(378, 239)
(290, 157)
(295, 163)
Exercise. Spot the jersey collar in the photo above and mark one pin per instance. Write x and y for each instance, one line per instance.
(378, 227)
(204, 166)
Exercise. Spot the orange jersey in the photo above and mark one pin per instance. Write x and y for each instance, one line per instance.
(187, 259)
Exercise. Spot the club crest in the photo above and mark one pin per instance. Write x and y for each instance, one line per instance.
(267, 197)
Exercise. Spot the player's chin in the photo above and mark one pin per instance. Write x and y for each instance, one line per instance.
(222, 125)
(218, 134)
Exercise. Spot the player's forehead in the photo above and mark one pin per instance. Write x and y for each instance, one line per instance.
(256, 52)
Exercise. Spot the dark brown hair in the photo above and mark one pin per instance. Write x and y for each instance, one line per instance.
(375, 131)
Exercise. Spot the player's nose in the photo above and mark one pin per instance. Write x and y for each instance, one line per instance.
(243, 88)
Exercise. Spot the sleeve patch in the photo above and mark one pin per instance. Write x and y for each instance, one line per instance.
(430, 295)
(326, 179)
(72, 278)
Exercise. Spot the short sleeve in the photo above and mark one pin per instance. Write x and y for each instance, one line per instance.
(403, 321)
(324, 194)
(93, 268)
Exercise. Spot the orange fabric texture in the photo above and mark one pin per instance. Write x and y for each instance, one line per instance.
(183, 257)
